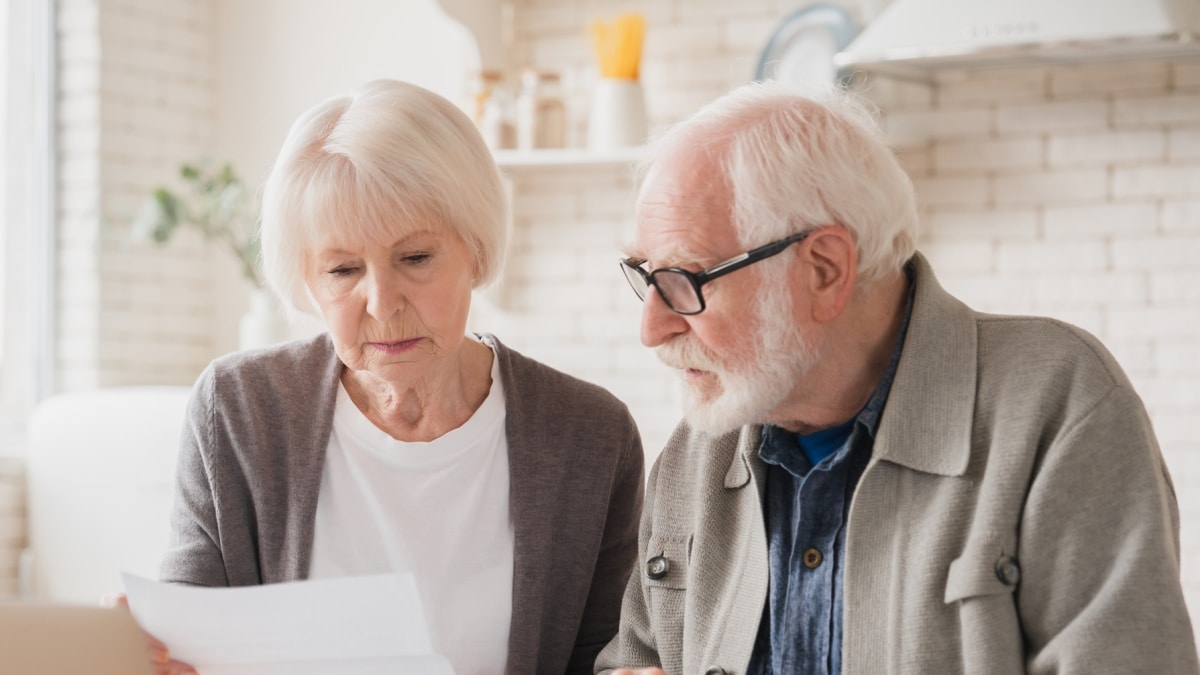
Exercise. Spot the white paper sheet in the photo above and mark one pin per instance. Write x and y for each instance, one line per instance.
(368, 625)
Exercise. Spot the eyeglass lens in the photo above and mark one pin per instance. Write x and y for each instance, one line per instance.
(677, 290)
(636, 278)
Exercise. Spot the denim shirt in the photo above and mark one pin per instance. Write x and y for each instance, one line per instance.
(805, 508)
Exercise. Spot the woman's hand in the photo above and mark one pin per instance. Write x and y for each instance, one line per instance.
(160, 657)
(639, 671)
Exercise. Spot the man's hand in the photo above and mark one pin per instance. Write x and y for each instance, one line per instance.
(160, 658)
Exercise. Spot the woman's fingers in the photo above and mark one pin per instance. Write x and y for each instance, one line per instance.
(156, 649)
(159, 655)
(112, 600)
(174, 668)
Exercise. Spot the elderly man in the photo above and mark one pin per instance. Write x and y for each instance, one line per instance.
(872, 477)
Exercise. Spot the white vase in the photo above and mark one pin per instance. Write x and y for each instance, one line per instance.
(263, 324)
(617, 118)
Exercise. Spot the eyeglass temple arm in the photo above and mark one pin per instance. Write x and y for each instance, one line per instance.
(739, 261)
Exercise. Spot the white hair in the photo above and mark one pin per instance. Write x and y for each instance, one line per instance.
(796, 157)
(384, 160)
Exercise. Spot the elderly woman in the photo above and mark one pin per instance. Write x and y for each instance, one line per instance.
(395, 441)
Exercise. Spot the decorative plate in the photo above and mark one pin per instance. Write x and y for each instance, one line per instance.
(802, 47)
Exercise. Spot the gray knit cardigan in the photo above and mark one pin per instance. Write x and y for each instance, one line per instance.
(249, 473)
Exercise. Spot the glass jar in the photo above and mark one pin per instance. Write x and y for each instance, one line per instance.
(480, 86)
(493, 111)
(541, 112)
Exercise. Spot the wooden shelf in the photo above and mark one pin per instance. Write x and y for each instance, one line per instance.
(566, 157)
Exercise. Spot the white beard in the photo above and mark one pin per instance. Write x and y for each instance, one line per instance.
(746, 394)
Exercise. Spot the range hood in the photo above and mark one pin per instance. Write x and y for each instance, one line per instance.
(913, 38)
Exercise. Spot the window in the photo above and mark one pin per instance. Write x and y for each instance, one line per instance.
(26, 212)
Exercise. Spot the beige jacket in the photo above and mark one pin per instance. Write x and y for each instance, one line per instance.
(1007, 442)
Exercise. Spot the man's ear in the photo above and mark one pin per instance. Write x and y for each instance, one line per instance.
(830, 271)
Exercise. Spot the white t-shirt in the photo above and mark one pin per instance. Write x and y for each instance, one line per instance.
(438, 509)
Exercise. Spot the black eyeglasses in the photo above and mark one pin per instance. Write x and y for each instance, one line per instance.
(680, 289)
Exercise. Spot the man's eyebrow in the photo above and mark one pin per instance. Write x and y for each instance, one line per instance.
(680, 256)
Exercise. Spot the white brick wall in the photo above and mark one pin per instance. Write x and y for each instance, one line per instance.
(1051, 116)
(1072, 192)
(135, 101)
(1107, 147)
(12, 523)
(135, 91)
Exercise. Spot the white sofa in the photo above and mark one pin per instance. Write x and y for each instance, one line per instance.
(100, 474)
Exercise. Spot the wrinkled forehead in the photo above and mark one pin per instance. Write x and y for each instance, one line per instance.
(682, 215)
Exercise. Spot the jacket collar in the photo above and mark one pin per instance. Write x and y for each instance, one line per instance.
(926, 423)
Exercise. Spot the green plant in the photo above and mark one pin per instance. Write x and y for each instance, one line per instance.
(216, 204)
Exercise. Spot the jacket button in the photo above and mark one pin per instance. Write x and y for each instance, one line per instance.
(812, 558)
(715, 670)
(656, 567)
(1008, 571)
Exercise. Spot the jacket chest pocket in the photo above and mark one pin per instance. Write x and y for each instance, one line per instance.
(664, 572)
(982, 583)
(667, 559)
(983, 569)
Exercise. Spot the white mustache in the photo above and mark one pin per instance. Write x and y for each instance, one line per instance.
(686, 355)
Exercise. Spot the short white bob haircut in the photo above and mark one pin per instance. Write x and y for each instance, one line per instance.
(797, 157)
(375, 164)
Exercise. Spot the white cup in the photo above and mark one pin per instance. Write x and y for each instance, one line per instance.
(618, 114)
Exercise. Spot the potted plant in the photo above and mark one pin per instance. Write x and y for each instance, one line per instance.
(216, 204)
